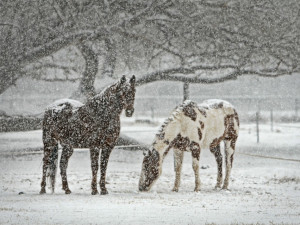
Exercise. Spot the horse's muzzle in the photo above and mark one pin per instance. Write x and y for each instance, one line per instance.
(129, 112)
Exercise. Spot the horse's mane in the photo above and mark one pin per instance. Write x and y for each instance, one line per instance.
(103, 94)
(175, 113)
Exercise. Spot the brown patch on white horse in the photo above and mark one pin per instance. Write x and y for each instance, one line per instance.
(180, 142)
(189, 111)
(199, 134)
(203, 111)
(150, 168)
(195, 149)
(201, 124)
(217, 105)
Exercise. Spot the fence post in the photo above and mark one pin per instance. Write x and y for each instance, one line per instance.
(271, 119)
(257, 126)
(152, 113)
(296, 107)
(186, 91)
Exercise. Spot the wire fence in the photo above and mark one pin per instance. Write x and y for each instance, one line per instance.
(262, 109)
(283, 109)
(155, 106)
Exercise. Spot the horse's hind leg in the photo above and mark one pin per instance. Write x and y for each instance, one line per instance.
(229, 152)
(178, 159)
(217, 152)
(195, 149)
(94, 154)
(46, 162)
(49, 148)
(67, 151)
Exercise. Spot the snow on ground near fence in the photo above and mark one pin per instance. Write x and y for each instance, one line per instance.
(261, 190)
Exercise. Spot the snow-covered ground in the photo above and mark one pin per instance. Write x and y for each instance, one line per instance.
(262, 190)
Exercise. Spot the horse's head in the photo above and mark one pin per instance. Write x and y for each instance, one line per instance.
(150, 170)
(126, 89)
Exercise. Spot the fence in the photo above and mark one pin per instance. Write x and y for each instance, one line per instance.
(279, 108)
(270, 108)
(251, 109)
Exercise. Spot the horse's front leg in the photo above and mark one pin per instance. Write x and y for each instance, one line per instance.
(105, 153)
(67, 151)
(94, 154)
(178, 159)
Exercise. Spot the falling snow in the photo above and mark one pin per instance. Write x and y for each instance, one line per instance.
(71, 110)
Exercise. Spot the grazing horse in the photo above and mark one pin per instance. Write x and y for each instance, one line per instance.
(94, 125)
(193, 127)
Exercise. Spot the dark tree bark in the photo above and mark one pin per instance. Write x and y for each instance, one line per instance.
(86, 85)
(110, 58)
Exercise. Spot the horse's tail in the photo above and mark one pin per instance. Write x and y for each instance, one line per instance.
(52, 167)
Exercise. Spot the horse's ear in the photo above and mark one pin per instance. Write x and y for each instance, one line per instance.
(144, 152)
(147, 152)
(132, 79)
(123, 79)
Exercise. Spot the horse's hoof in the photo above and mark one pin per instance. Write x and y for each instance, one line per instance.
(94, 192)
(217, 187)
(43, 191)
(175, 189)
(196, 189)
(104, 192)
(68, 191)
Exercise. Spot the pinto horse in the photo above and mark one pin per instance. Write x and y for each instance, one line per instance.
(94, 125)
(193, 127)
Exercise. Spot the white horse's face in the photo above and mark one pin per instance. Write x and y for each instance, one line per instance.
(150, 170)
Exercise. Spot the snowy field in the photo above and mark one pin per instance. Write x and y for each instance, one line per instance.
(262, 190)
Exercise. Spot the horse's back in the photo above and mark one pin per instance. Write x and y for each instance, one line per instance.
(213, 105)
(60, 104)
(219, 115)
(56, 117)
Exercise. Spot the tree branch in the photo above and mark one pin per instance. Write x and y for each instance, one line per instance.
(10, 24)
(180, 74)
(53, 66)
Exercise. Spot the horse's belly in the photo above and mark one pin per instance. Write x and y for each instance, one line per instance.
(214, 129)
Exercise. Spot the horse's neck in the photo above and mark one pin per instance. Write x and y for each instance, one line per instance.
(104, 107)
(164, 138)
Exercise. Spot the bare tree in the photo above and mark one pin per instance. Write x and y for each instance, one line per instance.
(218, 42)
(204, 41)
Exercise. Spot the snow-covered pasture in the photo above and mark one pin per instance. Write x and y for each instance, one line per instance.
(262, 190)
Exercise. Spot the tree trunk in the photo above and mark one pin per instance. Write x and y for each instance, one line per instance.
(110, 59)
(86, 87)
(9, 77)
(186, 91)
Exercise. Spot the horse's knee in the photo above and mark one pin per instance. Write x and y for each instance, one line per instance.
(195, 167)
(229, 156)
(63, 164)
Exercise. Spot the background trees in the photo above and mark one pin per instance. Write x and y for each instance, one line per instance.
(198, 41)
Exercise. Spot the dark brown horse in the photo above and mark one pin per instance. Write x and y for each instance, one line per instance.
(94, 125)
